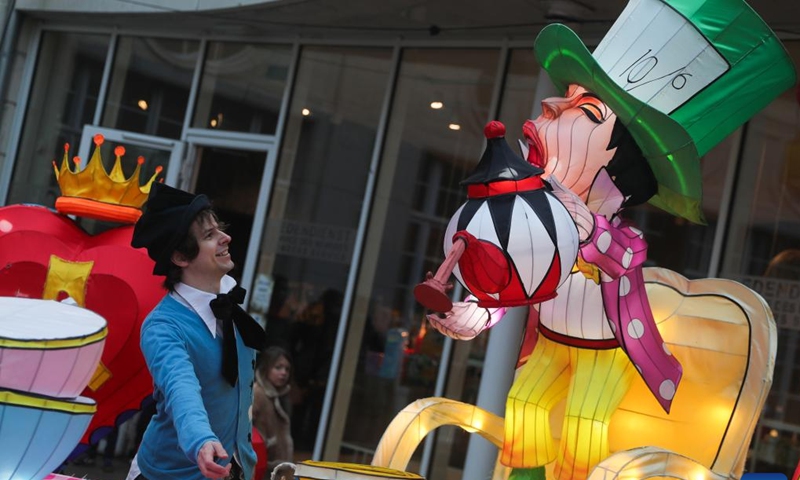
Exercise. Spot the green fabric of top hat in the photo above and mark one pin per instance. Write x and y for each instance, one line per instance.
(681, 75)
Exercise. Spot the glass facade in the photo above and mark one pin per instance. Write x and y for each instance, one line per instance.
(691, 256)
(369, 160)
(150, 83)
(314, 213)
(466, 367)
(232, 178)
(242, 87)
(762, 250)
(65, 87)
(427, 152)
(518, 96)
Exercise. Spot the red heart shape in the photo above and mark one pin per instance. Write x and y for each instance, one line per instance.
(120, 287)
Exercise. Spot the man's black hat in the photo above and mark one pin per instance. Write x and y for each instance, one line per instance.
(167, 216)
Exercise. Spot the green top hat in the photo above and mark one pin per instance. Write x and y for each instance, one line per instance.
(681, 75)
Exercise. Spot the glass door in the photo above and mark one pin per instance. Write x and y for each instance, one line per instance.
(235, 171)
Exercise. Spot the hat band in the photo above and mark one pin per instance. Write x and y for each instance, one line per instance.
(503, 187)
(659, 56)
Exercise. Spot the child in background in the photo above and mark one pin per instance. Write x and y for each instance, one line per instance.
(272, 406)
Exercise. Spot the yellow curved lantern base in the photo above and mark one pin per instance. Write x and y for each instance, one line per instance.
(311, 470)
(725, 337)
(651, 462)
(414, 422)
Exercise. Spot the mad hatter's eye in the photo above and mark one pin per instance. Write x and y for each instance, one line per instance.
(593, 112)
(593, 107)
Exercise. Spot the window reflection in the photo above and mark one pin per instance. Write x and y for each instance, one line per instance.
(150, 84)
(232, 178)
(762, 251)
(314, 213)
(516, 106)
(423, 161)
(242, 87)
(676, 243)
(63, 98)
(519, 92)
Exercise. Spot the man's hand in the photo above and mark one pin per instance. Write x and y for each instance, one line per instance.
(205, 460)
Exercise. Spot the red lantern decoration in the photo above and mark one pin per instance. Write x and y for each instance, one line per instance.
(39, 250)
(512, 243)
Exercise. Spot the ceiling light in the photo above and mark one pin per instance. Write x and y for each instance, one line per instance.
(142, 104)
(437, 105)
(454, 126)
(306, 112)
(213, 122)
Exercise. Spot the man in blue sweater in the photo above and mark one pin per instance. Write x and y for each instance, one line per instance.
(199, 346)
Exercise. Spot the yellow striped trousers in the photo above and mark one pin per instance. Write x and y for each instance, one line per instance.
(593, 382)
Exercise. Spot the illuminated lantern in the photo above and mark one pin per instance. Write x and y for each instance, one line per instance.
(466, 320)
(48, 353)
(38, 434)
(512, 243)
(48, 348)
(731, 352)
(312, 470)
(47, 255)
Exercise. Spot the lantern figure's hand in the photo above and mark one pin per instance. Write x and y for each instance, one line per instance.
(466, 320)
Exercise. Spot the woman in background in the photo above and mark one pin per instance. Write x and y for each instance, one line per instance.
(272, 406)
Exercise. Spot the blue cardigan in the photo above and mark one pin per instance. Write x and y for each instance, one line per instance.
(194, 402)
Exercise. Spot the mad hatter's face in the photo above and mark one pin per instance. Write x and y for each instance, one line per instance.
(575, 131)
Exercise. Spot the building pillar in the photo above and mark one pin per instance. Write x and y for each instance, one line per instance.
(501, 352)
(498, 374)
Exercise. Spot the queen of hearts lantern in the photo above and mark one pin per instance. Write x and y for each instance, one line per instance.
(512, 243)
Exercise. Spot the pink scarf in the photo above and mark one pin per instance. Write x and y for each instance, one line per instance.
(619, 250)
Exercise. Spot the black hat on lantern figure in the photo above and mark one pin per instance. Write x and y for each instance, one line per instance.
(512, 243)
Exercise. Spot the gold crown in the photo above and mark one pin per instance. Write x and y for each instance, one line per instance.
(95, 193)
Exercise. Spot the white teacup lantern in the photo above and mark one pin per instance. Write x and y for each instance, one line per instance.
(48, 354)
(48, 348)
(38, 433)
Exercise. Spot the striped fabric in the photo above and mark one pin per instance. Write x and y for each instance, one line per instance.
(592, 381)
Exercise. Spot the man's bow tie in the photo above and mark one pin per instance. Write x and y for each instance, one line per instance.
(227, 307)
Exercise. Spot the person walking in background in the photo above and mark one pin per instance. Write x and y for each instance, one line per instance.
(272, 410)
(195, 343)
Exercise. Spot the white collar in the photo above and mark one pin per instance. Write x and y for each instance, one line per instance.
(199, 300)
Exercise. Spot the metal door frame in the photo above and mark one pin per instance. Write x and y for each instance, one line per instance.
(238, 141)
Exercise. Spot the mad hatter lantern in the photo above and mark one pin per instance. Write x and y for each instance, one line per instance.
(670, 80)
(47, 255)
(512, 243)
(680, 75)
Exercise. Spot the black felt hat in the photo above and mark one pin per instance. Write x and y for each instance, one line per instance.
(167, 216)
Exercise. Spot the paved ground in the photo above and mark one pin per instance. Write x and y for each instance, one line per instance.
(118, 470)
